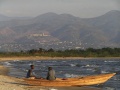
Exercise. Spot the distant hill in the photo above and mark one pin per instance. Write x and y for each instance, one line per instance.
(103, 30)
(6, 18)
(109, 23)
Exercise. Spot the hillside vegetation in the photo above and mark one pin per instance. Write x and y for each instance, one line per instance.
(90, 52)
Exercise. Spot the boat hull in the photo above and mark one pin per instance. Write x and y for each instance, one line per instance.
(78, 81)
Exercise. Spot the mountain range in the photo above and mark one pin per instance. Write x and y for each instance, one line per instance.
(101, 31)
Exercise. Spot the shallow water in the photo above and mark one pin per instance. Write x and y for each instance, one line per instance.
(70, 68)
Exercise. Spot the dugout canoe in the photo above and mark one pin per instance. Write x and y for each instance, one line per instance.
(77, 81)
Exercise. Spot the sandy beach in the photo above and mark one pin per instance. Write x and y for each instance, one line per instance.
(9, 83)
(51, 58)
(38, 58)
(12, 83)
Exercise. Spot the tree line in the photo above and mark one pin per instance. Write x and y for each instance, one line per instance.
(89, 52)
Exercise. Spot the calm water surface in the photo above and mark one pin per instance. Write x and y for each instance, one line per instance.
(70, 68)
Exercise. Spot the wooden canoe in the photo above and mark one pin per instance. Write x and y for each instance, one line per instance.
(78, 81)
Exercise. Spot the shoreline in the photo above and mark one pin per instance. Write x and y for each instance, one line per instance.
(9, 83)
(12, 83)
(51, 58)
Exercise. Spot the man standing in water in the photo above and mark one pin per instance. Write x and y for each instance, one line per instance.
(30, 72)
(51, 74)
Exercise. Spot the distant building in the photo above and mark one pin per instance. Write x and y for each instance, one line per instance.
(39, 35)
(77, 47)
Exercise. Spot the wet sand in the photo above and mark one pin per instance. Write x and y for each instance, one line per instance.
(79, 88)
(62, 88)
(12, 83)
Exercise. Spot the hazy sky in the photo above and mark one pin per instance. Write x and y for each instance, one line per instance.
(80, 8)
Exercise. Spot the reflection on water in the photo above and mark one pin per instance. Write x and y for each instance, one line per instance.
(71, 68)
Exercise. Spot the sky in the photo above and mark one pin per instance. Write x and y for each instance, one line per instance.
(79, 8)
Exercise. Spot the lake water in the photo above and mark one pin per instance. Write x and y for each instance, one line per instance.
(70, 68)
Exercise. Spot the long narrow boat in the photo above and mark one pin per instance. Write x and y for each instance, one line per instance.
(78, 81)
